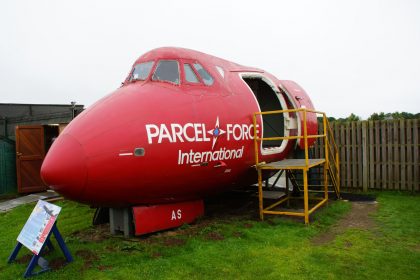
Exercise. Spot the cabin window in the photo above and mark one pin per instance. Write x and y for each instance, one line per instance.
(205, 76)
(141, 71)
(167, 71)
(189, 74)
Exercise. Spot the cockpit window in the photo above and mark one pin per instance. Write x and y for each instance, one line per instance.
(141, 71)
(205, 76)
(190, 75)
(168, 71)
(221, 71)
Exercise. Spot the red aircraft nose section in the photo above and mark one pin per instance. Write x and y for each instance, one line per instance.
(64, 168)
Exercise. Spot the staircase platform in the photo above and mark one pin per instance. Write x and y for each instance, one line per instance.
(292, 164)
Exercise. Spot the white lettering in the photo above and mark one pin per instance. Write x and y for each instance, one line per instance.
(177, 132)
(176, 215)
(229, 131)
(246, 130)
(151, 134)
(235, 129)
(164, 133)
(197, 157)
(189, 139)
(198, 132)
(192, 157)
(206, 139)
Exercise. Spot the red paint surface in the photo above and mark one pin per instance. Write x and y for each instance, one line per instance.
(149, 219)
(92, 161)
(301, 100)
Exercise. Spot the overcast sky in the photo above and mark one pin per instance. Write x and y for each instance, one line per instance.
(354, 56)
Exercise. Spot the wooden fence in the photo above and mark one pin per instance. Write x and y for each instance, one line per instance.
(381, 155)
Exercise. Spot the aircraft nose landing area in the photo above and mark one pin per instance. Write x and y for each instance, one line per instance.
(64, 168)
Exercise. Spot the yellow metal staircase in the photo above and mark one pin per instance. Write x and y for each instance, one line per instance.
(329, 165)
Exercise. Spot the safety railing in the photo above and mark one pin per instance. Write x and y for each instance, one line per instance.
(330, 161)
(334, 158)
(305, 135)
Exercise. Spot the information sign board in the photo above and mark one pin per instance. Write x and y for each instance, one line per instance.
(38, 226)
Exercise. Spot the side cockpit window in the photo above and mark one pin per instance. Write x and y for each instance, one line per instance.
(221, 71)
(141, 71)
(190, 75)
(167, 71)
(205, 76)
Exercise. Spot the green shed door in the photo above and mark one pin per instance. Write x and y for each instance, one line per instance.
(30, 152)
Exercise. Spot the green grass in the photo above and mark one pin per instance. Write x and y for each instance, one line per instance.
(233, 248)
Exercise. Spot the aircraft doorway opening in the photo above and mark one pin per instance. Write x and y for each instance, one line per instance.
(269, 99)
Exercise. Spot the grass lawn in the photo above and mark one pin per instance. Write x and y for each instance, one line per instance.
(234, 247)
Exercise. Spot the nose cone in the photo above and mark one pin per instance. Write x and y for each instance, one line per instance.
(64, 167)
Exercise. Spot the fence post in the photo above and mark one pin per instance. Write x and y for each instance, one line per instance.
(365, 168)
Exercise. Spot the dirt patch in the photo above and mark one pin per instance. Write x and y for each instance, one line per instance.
(171, 242)
(223, 208)
(104, 267)
(95, 234)
(237, 204)
(416, 248)
(238, 234)
(57, 263)
(156, 255)
(214, 236)
(248, 225)
(88, 257)
(358, 217)
(110, 248)
(24, 259)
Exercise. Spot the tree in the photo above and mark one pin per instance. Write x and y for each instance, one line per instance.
(353, 118)
(350, 118)
(393, 116)
(377, 117)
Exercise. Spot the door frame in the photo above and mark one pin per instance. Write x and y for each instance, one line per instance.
(40, 186)
(269, 82)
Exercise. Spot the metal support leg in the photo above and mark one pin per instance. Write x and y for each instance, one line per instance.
(14, 253)
(31, 267)
(260, 194)
(287, 189)
(277, 179)
(305, 195)
(325, 181)
(62, 244)
(120, 220)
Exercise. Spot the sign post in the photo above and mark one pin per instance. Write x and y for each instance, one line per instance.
(36, 236)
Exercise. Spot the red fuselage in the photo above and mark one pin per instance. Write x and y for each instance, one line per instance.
(159, 139)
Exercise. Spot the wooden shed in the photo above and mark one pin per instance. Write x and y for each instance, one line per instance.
(27, 131)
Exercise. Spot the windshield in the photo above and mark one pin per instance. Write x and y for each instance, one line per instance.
(205, 76)
(167, 71)
(141, 71)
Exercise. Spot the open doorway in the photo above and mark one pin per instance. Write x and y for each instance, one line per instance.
(269, 99)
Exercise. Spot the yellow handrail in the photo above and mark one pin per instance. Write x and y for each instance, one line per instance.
(331, 150)
(289, 111)
(330, 163)
(305, 135)
(335, 157)
(290, 137)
